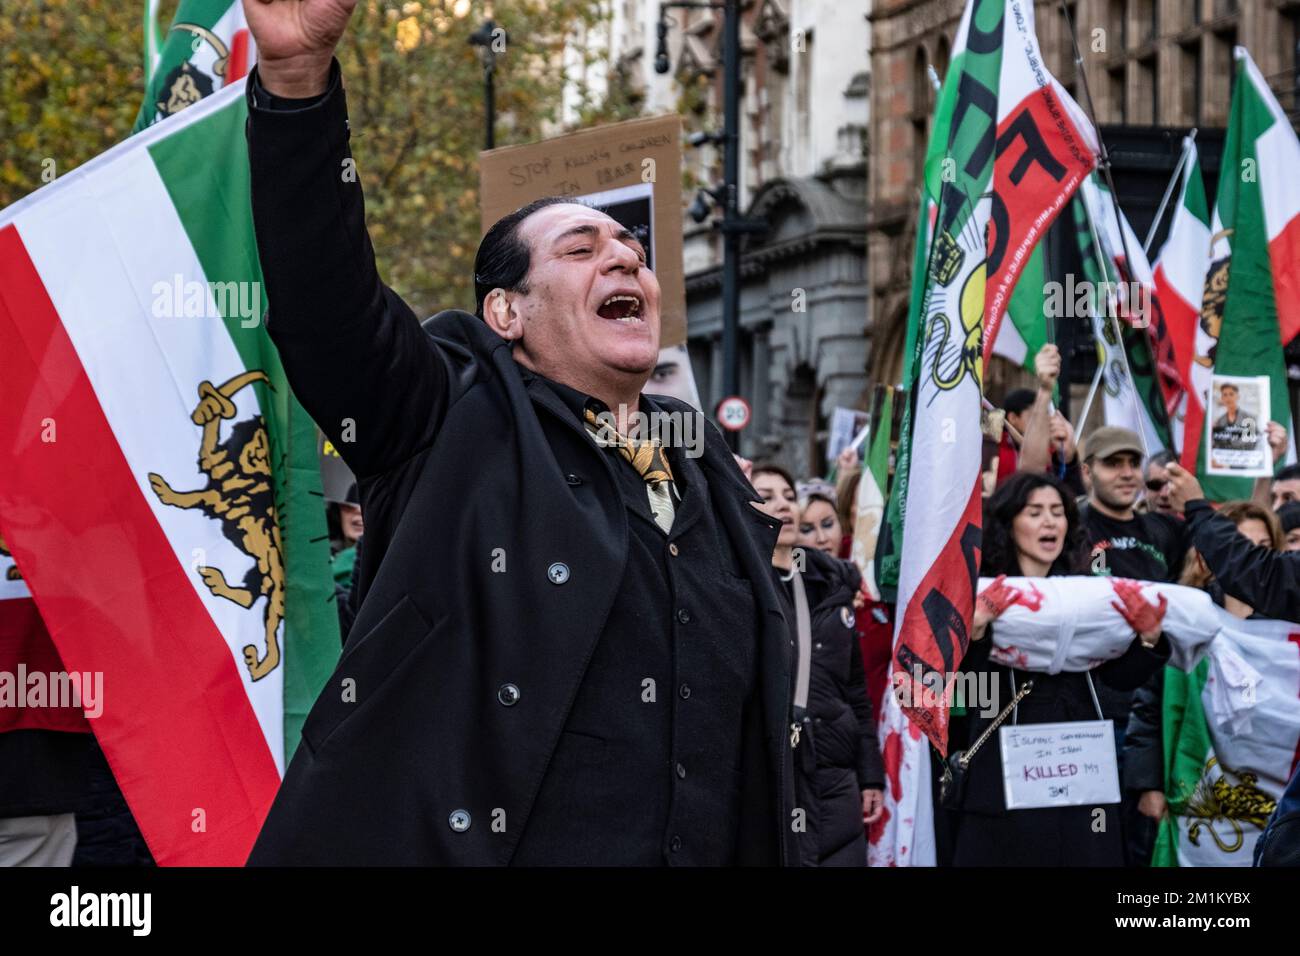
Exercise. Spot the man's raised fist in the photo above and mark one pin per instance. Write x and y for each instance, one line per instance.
(296, 41)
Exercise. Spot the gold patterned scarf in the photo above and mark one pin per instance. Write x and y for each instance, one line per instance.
(645, 455)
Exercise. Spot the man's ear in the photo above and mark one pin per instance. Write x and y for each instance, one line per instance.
(501, 316)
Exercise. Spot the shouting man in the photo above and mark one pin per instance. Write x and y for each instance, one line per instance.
(569, 649)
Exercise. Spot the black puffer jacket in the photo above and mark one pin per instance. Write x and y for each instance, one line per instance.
(837, 757)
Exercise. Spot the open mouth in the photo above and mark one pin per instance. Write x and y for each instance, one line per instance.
(621, 308)
(1048, 541)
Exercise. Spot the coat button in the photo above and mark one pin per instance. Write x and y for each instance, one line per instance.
(508, 694)
(558, 572)
(681, 772)
(672, 549)
(573, 479)
(684, 616)
(459, 820)
(684, 691)
(675, 844)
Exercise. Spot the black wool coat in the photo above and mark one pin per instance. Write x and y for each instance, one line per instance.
(838, 755)
(429, 743)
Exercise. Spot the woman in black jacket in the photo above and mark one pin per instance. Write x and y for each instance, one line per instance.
(1031, 529)
(839, 776)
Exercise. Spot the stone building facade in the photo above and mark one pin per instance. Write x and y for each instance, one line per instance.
(1154, 69)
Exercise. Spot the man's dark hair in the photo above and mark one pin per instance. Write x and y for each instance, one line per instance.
(1289, 473)
(999, 554)
(1161, 459)
(503, 259)
(1018, 400)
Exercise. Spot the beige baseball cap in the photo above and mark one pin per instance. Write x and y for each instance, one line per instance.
(1110, 440)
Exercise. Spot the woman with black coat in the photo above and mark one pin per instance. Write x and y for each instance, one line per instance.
(1031, 529)
(839, 776)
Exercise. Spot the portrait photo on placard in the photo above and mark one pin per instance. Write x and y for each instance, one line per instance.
(1237, 419)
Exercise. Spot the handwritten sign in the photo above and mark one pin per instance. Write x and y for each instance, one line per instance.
(1059, 765)
(591, 165)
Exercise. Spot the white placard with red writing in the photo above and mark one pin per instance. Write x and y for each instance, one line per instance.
(1059, 765)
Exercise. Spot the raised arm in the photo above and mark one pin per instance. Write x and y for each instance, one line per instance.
(1267, 580)
(354, 353)
(1036, 448)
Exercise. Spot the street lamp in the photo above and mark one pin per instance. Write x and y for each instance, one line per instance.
(491, 40)
(733, 225)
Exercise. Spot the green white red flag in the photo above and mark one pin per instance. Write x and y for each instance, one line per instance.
(1180, 286)
(208, 47)
(1126, 317)
(1250, 307)
(1008, 149)
(1223, 776)
(159, 484)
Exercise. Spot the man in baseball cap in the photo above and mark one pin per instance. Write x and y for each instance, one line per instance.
(1148, 547)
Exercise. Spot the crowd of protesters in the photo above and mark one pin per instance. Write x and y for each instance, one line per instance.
(1053, 506)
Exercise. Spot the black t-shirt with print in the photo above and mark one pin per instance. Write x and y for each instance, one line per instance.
(1147, 547)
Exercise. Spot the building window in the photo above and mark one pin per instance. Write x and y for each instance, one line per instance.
(1190, 83)
(1289, 36)
(1118, 99)
(1220, 70)
(921, 100)
(1147, 21)
(1067, 71)
(1117, 27)
(1146, 109)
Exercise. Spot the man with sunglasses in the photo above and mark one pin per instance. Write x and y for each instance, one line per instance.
(1157, 484)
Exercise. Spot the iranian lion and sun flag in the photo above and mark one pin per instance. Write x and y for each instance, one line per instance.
(160, 490)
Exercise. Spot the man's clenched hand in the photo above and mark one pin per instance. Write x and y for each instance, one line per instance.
(296, 41)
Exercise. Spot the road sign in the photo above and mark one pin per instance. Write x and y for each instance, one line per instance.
(733, 413)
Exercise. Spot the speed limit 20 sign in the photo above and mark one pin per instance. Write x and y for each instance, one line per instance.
(733, 413)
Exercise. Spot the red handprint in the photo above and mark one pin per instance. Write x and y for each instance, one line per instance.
(992, 601)
(1144, 617)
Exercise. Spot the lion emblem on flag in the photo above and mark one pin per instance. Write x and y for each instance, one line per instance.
(1215, 298)
(238, 494)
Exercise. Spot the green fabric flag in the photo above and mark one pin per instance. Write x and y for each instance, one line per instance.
(208, 46)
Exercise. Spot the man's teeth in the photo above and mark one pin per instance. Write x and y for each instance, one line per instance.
(633, 307)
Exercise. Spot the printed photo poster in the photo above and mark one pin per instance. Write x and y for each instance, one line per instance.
(673, 377)
(847, 426)
(1237, 426)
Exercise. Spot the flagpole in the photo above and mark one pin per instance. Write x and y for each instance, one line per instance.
(1188, 140)
(1112, 314)
(1103, 163)
(1087, 402)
